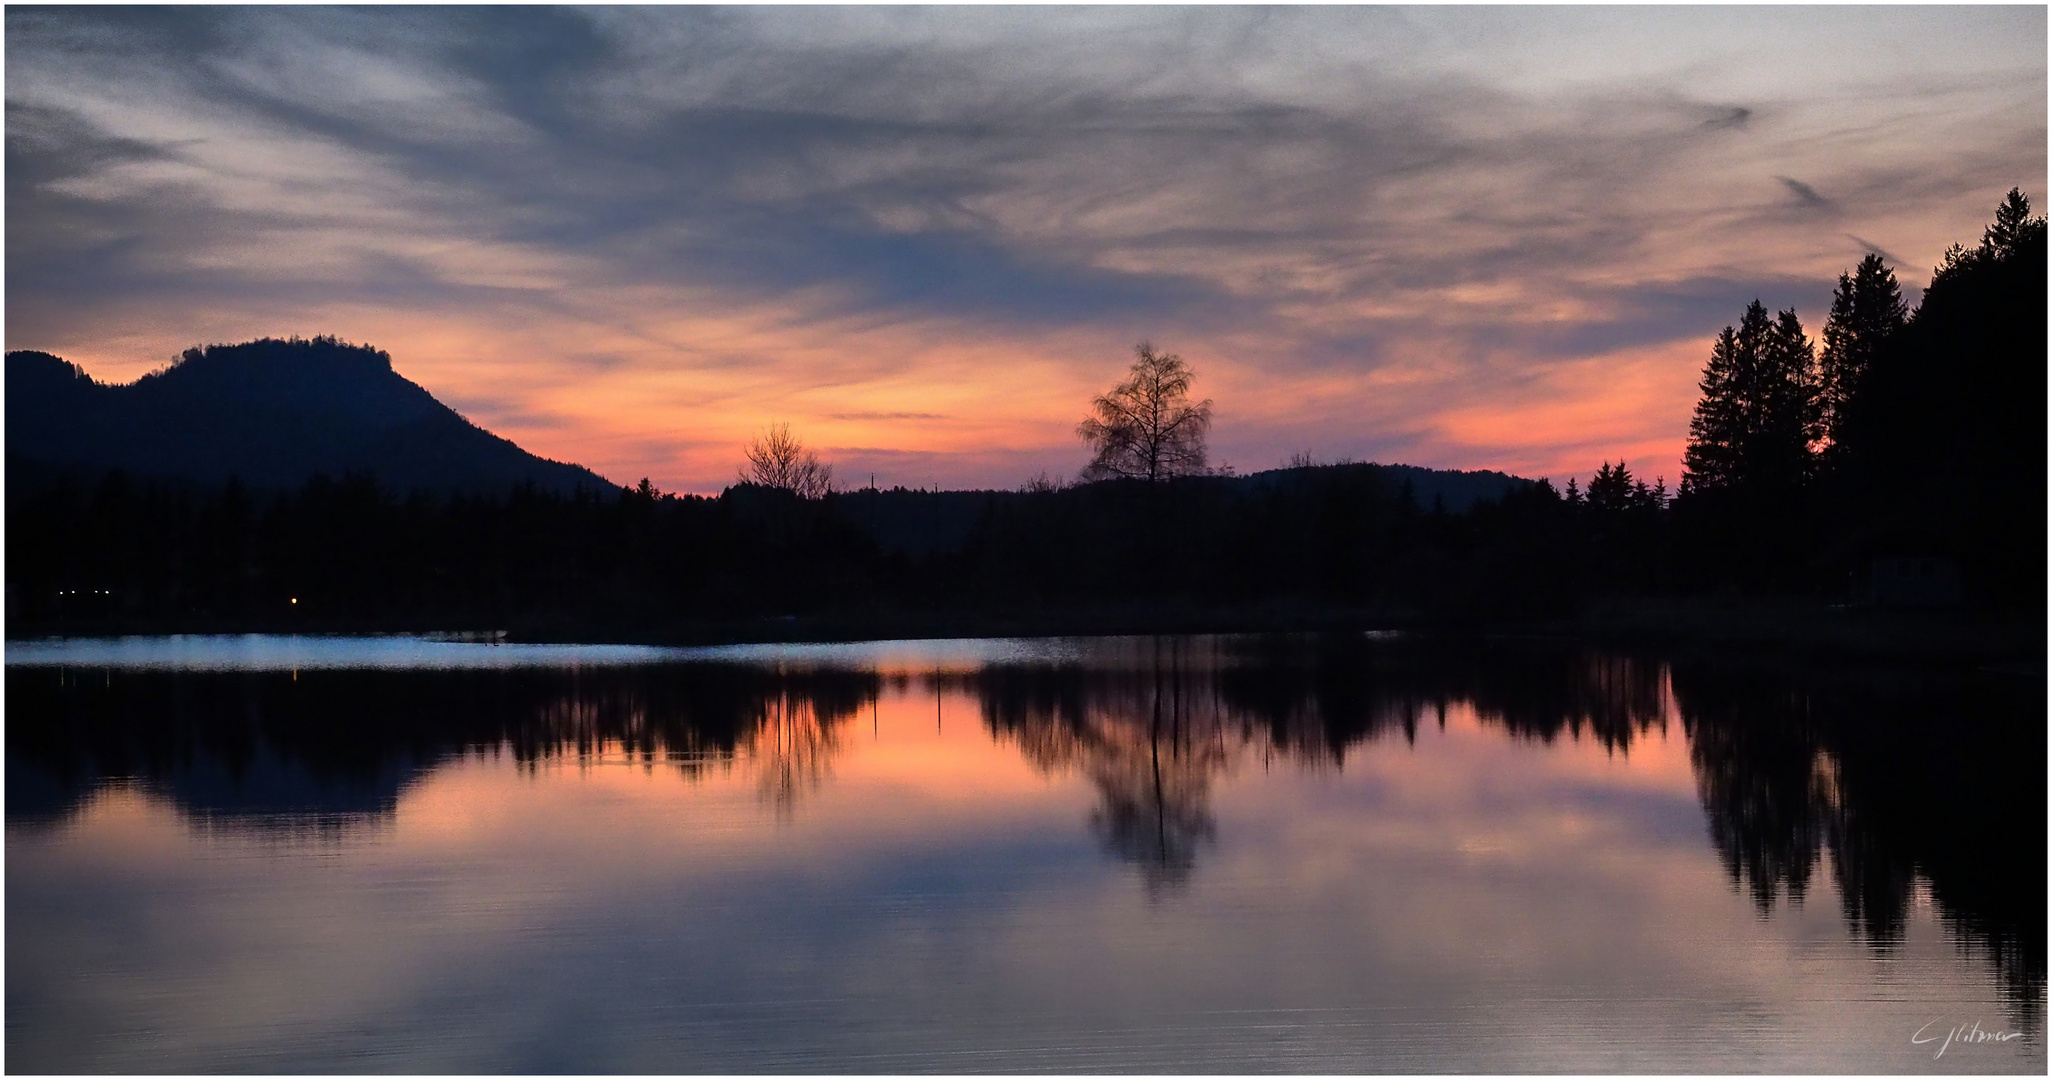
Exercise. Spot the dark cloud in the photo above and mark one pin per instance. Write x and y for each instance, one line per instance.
(788, 180)
(1737, 117)
(1874, 248)
(1805, 194)
(48, 145)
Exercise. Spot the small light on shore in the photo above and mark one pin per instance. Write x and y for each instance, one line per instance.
(295, 599)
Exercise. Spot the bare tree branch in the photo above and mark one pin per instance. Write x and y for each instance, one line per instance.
(776, 459)
(1146, 428)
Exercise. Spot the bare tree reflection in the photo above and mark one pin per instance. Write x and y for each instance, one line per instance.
(1151, 742)
(1154, 810)
(1155, 735)
(1154, 785)
(792, 745)
(781, 725)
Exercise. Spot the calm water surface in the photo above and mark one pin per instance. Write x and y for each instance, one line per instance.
(1350, 854)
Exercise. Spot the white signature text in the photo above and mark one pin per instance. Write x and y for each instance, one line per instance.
(1963, 1034)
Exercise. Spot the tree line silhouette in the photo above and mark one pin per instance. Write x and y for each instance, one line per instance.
(1916, 433)
(117, 553)
(1913, 433)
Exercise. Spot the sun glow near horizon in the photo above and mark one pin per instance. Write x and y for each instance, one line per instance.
(1397, 235)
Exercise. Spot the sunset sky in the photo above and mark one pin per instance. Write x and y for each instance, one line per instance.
(630, 238)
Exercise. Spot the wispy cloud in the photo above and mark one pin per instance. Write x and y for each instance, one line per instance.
(887, 416)
(1805, 194)
(1874, 248)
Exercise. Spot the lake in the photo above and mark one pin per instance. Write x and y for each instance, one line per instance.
(1331, 854)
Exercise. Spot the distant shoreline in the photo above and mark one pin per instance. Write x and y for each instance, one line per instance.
(1784, 628)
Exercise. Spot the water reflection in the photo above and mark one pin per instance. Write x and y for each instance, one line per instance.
(1886, 783)
(1882, 781)
(1153, 735)
(1150, 741)
(294, 750)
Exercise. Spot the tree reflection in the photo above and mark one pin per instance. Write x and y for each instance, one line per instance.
(1152, 812)
(793, 741)
(282, 750)
(1896, 785)
(1317, 697)
(1150, 741)
(1874, 883)
(1757, 783)
(1154, 734)
(1892, 782)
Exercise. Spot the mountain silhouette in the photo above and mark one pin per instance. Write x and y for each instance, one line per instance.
(271, 412)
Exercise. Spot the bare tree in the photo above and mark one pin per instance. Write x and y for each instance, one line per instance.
(776, 459)
(1146, 428)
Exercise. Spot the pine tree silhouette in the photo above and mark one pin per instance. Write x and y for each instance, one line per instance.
(1866, 308)
(2012, 226)
(1758, 415)
(1781, 458)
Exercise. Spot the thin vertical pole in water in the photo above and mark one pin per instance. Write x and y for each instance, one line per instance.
(936, 698)
(1176, 688)
(1154, 748)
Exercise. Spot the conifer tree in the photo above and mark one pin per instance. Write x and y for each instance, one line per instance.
(2011, 226)
(1717, 431)
(2013, 230)
(1788, 426)
(1758, 414)
(1946, 435)
(1713, 430)
(1611, 487)
(1866, 308)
